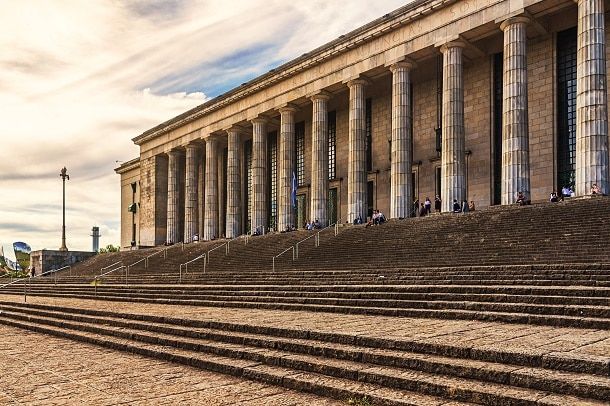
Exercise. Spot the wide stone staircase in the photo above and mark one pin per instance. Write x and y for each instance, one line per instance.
(542, 265)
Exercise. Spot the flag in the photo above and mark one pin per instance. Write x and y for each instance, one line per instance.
(293, 193)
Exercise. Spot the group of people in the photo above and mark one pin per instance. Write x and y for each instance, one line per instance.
(377, 219)
(313, 225)
(425, 208)
(567, 192)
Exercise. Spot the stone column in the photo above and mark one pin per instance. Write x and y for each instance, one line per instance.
(200, 192)
(402, 141)
(453, 156)
(319, 157)
(191, 195)
(286, 168)
(233, 228)
(259, 174)
(356, 163)
(210, 222)
(220, 161)
(173, 197)
(515, 136)
(591, 100)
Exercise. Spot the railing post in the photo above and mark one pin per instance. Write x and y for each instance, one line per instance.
(126, 273)
(183, 246)
(205, 260)
(146, 263)
(227, 247)
(55, 278)
(25, 292)
(273, 264)
(95, 286)
(165, 253)
(293, 258)
(297, 250)
(180, 277)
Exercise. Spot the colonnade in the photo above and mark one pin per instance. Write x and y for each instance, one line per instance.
(591, 141)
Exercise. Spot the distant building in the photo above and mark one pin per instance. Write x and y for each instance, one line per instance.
(470, 100)
(95, 236)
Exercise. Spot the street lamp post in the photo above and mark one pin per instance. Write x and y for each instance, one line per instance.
(64, 175)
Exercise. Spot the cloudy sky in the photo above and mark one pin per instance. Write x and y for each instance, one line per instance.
(79, 79)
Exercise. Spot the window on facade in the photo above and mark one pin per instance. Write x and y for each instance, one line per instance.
(370, 190)
(300, 152)
(498, 69)
(566, 108)
(369, 134)
(248, 163)
(332, 145)
(437, 177)
(272, 181)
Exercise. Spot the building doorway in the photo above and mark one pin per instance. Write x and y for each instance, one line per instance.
(332, 206)
(301, 211)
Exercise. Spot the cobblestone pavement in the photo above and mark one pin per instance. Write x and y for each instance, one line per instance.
(37, 369)
(522, 338)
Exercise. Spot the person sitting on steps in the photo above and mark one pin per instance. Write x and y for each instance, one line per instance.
(553, 198)
(521, 199)
(595, 190)
(373, 219)
(471, 206)
(437, 204)
(380, 218)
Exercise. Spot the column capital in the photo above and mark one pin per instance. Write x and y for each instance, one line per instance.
(406, 64)
(175, 152)
(212, 138)
(319, 95)
(361, 80)
(452, 44)
(515, 20)
(192, 146)
(235, 128)
(288, 108)
(260, 119)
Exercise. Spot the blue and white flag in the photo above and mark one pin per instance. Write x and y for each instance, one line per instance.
(293, 193)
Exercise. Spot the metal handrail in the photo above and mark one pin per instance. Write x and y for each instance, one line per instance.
(316, 236)
(95, 279)
(110, 266)
(282, 253)
(164, 251)
(27, 280)
(186, 264)
(214, 249)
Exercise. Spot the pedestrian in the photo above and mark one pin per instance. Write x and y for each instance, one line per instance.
(428, 205)
(437, 203)
(422, 211)
(456, 206)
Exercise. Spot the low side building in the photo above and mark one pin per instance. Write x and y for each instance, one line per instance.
(48, 260)
(470, 100)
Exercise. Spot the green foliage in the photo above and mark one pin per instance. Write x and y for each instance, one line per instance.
(364, 401)
(7, 273)
(109, 248)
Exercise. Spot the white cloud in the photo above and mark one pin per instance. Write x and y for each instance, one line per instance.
(79, 79)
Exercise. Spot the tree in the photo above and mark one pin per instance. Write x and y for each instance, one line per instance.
(109, 248)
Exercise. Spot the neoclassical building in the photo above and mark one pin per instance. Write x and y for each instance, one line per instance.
(466, 99)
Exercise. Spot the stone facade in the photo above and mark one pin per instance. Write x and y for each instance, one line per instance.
(388, 86)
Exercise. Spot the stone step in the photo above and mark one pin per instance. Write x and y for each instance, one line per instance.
(362, 289)
(587, 306)
(561, 361)
(315, 383)
(351, 364)
(249, 292)
(473, 313)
